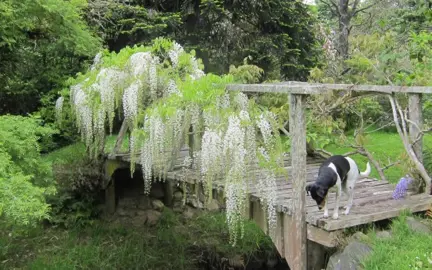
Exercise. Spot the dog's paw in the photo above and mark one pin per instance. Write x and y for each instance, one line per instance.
(325, 215)
(335, 216)
(347, 210)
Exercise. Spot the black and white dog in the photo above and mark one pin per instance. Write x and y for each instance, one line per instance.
(336, 172)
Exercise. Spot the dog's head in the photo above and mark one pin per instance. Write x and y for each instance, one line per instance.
(318, 193)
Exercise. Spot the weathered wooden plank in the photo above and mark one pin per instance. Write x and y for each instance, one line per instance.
(415, 128)
(297, 224)
(362, 191)
(325, 238)
(380, 211)
(284, 193)
(317, 88)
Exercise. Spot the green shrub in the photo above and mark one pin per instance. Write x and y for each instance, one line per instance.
(78, 180)
(25, 179)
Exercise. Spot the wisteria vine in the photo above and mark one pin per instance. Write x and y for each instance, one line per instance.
(166, 99)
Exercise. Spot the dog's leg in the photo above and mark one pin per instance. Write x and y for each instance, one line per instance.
(325, 207)
(350, 192)
(338, 195)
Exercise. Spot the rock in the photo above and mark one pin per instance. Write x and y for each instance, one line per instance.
(350, 258)
(194, 202)
(417, 226)
(178, 196)
(271, 262)
(383, 234)
(127, 203)
(122, 212)
(178, 206)
(213, 205)
(139, 221)
(359, 236)
(158, 205)
(152, 217)
(201, 195)
(144, 202)
(157, 191)
(190, 212)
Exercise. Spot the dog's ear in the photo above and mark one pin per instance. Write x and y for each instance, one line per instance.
(321, 192)
(308, 189)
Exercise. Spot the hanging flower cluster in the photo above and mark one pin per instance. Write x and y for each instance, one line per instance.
(168, 103)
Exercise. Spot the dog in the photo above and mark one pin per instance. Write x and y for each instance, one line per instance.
(336, 172)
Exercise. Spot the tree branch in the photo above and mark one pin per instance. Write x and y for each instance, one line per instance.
(408, 147)
(363, 9)
(334, 10)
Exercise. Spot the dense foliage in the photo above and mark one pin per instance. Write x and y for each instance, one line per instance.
(25, 179)
(42, 43)
(277, 34)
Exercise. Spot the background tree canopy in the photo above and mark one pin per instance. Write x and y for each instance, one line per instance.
(276, 34)
(42, 43)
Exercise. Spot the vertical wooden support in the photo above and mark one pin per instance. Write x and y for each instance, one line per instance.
(259, 216)
(297, 224)
(110, 198)
(415, 115)
(169, 193)
(279, 237)
(110, 166)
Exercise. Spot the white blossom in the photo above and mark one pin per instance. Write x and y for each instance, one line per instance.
(59, 108)
(153, 77)
(96, 61)
(130, 101)
(138, 63)
(242, 100)
(174, 53)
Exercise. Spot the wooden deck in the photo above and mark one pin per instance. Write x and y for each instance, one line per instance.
(372, 202)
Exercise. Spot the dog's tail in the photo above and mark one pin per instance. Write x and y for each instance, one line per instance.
(367, 172)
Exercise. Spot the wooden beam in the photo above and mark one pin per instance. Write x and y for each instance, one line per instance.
(317, 88)
(297, 224)
(323, 237)
(119, 140)
(415, 128)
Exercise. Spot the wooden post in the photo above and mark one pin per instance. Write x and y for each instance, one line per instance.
(297, 234)
(110, 197)
(415, 115)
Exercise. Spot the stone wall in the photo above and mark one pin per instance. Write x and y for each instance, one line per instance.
(135, 208)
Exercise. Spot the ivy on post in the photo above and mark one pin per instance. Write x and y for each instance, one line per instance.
(297, 224)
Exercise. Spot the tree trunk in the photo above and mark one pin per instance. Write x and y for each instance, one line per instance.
(344, 29)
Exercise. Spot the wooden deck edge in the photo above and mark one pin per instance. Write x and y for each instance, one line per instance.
(417, 203)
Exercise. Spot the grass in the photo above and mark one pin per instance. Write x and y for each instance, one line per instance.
(70, 153)
(405, 249)
(386, 148)
(172, 244)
